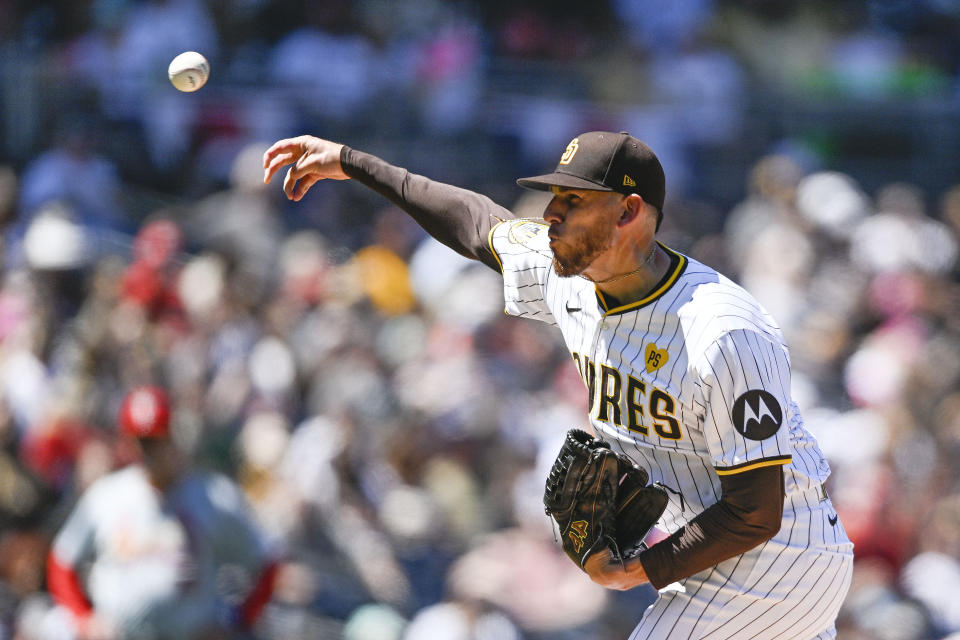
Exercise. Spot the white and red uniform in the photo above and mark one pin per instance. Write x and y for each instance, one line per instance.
(147, 561)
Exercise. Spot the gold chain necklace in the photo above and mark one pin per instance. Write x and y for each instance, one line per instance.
(653, 251)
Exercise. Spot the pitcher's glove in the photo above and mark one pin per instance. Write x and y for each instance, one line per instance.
(599, 499)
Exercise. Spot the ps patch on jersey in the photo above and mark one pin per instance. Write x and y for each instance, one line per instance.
(523, 231)
(757, 414)
(654, 357)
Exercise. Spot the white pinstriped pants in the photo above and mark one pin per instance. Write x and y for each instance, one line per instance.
(789, 588)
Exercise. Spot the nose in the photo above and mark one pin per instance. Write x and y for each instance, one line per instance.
(554, 213)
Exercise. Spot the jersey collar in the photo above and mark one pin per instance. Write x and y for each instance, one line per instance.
(678, 262)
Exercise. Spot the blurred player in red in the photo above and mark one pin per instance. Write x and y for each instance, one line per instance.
(141, 553)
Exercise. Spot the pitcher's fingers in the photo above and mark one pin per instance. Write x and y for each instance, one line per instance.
(278, 161)
(288, 183)
(301, 188)
(304, 166)
(294, 174)
(287, 145)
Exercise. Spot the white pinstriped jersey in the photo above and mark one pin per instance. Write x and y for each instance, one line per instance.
(692, 382)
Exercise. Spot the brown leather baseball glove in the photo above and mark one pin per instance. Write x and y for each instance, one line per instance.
(599, 498)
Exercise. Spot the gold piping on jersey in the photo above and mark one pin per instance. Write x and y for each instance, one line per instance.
(755, 464)
(490, 244)
(661, 288)
(603, 301)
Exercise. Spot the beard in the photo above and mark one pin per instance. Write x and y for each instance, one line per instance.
(573, 257)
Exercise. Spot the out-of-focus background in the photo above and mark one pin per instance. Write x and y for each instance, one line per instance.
(389, 425)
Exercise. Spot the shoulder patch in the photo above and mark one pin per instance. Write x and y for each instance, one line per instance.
(757, 414)
(523, 231)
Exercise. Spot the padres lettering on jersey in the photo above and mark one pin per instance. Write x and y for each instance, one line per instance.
(692, 381)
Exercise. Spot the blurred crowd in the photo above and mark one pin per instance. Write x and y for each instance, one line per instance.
(696, 76)
(390, 427)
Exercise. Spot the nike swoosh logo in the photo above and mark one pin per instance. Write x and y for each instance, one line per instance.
(572, 309)
(833, 520)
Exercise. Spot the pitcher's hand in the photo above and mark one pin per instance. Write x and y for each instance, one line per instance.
(612, 574)
(313, 159)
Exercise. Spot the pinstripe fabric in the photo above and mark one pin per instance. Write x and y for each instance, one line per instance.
(792, 586)
(693, 382)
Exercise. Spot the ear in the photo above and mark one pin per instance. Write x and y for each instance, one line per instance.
(632, 206)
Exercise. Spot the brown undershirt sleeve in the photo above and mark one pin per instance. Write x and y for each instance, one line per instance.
(749, 512)
(459, 218)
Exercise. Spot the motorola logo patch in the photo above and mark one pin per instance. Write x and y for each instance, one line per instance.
(757, 414)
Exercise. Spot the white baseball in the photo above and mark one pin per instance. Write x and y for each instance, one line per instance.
(189, 71)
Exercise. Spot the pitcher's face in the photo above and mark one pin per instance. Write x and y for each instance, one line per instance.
(582, 224)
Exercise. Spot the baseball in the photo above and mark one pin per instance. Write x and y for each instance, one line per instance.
(189, 71)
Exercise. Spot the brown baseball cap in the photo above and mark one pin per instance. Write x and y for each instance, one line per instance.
(606, 161)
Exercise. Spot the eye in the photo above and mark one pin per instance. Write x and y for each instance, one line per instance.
(574, 199)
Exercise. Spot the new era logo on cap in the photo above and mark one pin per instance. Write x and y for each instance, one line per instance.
(605, 161)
